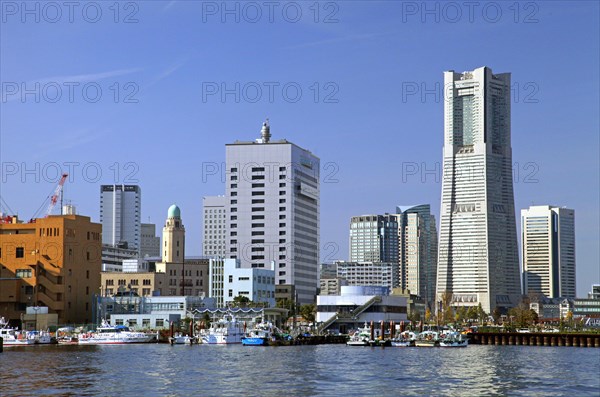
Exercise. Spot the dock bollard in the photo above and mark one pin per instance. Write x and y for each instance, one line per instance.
(1, 343)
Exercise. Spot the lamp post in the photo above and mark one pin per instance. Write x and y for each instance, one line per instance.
(36, 309)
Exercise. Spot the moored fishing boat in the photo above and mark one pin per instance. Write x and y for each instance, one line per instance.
(181, 339)
(41, 337)
(427, 339)
(225, 331)
(260, 335)
(405, 339)
(114, 335)
(454, 339)
(361, 337)
(14, 337)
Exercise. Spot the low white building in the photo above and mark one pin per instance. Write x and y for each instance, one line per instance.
(229, 280)
(136, 265)
(150, 312)
(357, 305)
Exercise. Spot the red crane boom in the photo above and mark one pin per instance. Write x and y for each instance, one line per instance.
(57, 192)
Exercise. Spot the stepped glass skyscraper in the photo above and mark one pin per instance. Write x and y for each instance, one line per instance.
(478, 254)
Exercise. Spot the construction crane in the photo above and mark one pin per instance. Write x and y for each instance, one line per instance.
(53, 199)
(57, 192)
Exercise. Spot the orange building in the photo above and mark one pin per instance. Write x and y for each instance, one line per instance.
(53, 262)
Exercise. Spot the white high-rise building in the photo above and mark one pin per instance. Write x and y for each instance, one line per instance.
(478, 254)
(120, 214)
(272, 193)
(215, 225)
(548, 248)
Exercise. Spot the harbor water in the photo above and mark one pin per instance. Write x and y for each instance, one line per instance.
(323, 370)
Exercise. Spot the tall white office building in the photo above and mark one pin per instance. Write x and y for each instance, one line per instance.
(548, 249)
(478, 255)
(120, 215)
(272, 193)
(215, 225)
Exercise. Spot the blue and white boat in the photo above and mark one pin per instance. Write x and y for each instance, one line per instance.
(260, 335)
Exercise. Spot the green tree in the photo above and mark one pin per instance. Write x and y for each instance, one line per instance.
(481, 314)
(461, 314)
(309, 312)
(472, 314)
(207, 320)
(241, 301)
(569, 319)
(534, 316)
(414, 316)
(496, 314)
(447, 311)
(521, 316)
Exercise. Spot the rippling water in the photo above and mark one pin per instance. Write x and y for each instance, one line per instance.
(326, 370)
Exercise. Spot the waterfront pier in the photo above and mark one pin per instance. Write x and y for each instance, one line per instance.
(535, 339)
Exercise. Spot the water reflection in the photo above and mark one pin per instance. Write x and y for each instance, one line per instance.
(333, 370)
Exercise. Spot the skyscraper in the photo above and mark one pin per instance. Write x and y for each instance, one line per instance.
(478, 255)
(149, 241)
(120, 215)
(548, 248)
(374, 238)
(272, 192)
(417, 242)
(215, 225)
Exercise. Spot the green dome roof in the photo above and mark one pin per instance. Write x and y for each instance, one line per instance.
(174, 212)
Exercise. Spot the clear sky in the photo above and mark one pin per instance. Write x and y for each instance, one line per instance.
(359, 83)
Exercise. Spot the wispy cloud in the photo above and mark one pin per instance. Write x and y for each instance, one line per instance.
(76, 78)
(69, 140)
(169, 5)
(81, 78)
(167, 72)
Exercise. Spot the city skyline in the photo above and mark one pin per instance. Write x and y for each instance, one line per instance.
(355, 137)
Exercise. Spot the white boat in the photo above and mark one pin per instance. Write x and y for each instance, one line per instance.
(405, 339)
(180, 339)
(427, 339)
(41, 337)
(261, 335)
(225, 331)
(454, 339)
(14, 337)
(107, 334)
(361, 337)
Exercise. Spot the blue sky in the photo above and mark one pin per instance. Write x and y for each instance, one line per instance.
(367, 72)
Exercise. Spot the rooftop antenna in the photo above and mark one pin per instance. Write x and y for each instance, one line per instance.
(265, 132)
